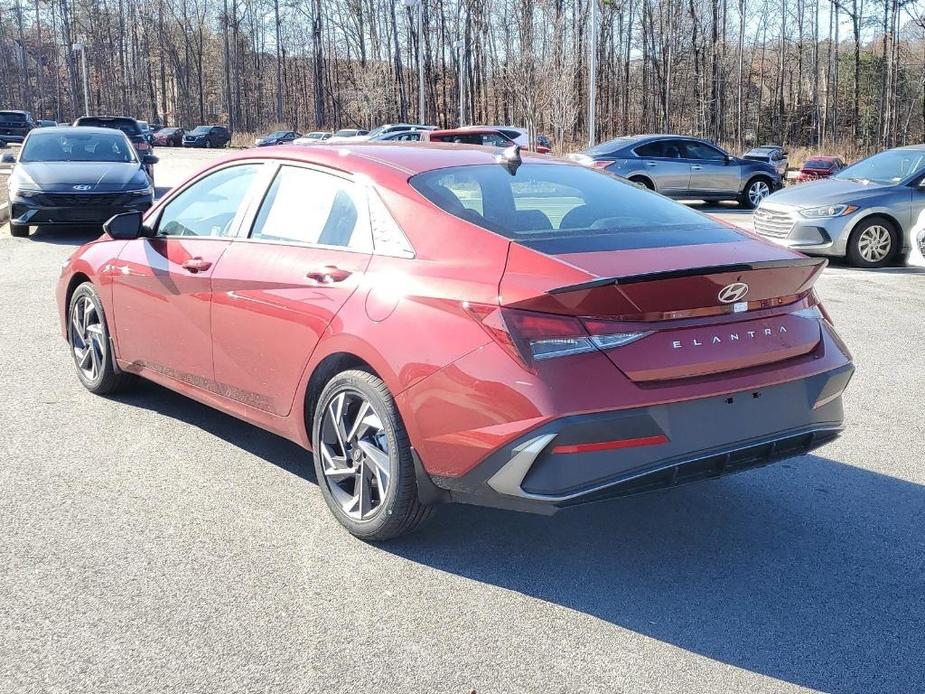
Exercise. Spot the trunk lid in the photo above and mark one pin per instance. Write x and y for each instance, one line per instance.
(702, 309)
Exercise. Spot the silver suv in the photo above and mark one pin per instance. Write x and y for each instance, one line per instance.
(865, 212)
(685, 167)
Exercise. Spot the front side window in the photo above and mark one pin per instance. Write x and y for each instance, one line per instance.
(312, 207)
(208, 207)
(560, 208)
(701, 150)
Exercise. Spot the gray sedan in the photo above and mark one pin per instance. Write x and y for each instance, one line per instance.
(684, 167)
(865, 212)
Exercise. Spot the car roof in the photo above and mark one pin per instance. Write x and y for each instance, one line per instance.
(469, 130)
(410, 158)
(11, 110)
(84, 129)
(107, 118)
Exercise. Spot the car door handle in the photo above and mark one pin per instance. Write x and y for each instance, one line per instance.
(696, 167)
(329, 274)
(196, 264)
(650, 163)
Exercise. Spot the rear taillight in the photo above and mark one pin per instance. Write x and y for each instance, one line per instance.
(531, 336)
(142, 146)
(601, 164)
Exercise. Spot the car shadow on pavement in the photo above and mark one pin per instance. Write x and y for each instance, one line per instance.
(810, 571)
(258, 442)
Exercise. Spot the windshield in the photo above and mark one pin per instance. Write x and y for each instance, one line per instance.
(200, 130)
(887, 168)
(13, 116)
(345, 133)
(167, 131)
(817, 164)
(278, 133)
(77, 146)
(561, 208)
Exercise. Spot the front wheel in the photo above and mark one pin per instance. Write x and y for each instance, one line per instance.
(755, 191)
(88, 336)
(874, 243)
(363, 458)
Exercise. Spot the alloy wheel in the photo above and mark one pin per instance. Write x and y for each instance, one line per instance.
(355, 455)
(875, 243)
(87, 341)
(757, 192)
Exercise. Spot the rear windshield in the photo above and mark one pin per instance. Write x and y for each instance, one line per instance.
(201, 130)
(77, 145)
(817, 164)
(13, 116)
(129, 127)
(559, 208)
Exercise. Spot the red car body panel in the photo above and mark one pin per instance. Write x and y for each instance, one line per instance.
(246, 332)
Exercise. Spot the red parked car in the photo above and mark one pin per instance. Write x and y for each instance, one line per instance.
(169, 137)
(815, 168)
(450, 323)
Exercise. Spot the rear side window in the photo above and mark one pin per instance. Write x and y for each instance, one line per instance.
(559, 208)
(650, 149)
(312, 207)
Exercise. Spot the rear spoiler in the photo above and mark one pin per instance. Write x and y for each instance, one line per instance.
(818, 263)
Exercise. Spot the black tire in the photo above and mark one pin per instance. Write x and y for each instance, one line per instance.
(105, 379)
(400, 510)
(645, 182)
(856, 247)
(19, 230)
(745, 198)
(208, 144)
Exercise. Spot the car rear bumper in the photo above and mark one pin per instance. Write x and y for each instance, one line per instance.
(34, 215)
(589, 457)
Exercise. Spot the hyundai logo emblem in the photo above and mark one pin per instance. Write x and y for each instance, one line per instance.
(82, 187)
(733, 292)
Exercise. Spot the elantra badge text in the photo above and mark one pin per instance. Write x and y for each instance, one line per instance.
(731, 337)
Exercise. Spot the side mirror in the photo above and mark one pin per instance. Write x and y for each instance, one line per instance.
(8, 158)
(125, 226)
(149, 159)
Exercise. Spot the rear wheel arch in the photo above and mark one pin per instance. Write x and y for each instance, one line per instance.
(643, 181)
(326, 369)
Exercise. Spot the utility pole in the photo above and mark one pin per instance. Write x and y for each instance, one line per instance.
(592, 77)
(461, 52)
(79, 46)
(420, 32)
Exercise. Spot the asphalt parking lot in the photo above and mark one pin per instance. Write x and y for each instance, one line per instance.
(150, 544)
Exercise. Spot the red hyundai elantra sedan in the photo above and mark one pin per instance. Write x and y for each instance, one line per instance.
(452, 323)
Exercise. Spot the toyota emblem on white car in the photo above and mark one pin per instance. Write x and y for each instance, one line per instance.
(733, 292)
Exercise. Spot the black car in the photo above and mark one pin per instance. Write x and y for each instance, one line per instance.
(15, 125)
(130, 127)
(76, 176)
(207, 136)
(280, 137)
